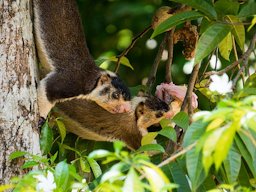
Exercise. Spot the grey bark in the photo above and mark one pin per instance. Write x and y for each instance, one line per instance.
(18, 96)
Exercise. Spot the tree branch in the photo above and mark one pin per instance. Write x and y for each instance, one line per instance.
(176, 155)
(234, 64)
(191, 85)
(245, 59)
(188, 100)
(168, 74)
(124, 53)
(152, 75)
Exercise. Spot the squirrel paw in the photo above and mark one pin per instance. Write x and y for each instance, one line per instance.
(167, 91)
(41, 122)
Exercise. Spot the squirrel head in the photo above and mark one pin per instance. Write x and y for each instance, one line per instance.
(111, 93)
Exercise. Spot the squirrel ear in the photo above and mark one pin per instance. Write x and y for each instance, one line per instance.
(140, 109)
(104, 78)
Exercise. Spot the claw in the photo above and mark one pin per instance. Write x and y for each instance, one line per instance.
(167, 91)
(41, 122)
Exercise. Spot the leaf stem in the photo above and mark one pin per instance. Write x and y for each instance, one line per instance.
(176, 155)
(168, 74)
(124, 53)
(152, 75)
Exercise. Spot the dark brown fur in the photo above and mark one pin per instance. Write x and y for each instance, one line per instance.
(89, 121)
(64, 56)
(63, 38)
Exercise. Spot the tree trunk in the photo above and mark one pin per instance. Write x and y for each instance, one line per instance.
(18, 76)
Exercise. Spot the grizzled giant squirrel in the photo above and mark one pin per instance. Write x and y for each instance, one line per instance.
(89, 121)
(62, 50)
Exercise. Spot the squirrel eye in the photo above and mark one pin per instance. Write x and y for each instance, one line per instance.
(159, 114)
(115, 95)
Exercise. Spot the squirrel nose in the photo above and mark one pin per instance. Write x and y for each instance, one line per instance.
(125, 107)
(169, 114)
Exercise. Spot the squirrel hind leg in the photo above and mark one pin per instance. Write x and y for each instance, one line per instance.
(110, 95)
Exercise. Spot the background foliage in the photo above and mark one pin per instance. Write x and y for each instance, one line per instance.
(219, 147)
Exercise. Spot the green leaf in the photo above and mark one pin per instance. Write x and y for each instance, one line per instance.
(17, 154)
(178, 176)
(181, 119)
(100, 153)
(64, 146)
(148, 138)
(99, 61)
(62, 129)
(219, 113)
(251, 81)
(151, 147)
(225, 46)
(215, 123)
(174, 20)
(238, 30)
(205, 23)
(227, 7)
(232, 165)
(193, 158)
(194, 132)
(169, 187)
(29, 164)
(114, 173)
(248, 10)
(252, 24)
(243, 177)
(84, 165)
(5, 187)
(73, 173)
(251, 124)
(95, 167)
(249, 145)
(169, 132)
(46, 138)
(195, 168)
(124, 61)
(209, 183)
(118, 146)
(210, 146)
(109, 159)
(157, 179)
(202, 5)
(225, 141)
(245, 154)
(210, 39)
(245, 92)
(53, 157)
(165, 123)
(132, 182)
(61, 174)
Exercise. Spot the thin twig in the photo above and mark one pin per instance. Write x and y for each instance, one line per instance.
(234, 64)
(207, 74)
(245, 58)
(168, 74)
(152, 75)
(176, 155)
(124, 53)
(236, 56)
(206, 67)
(191, 85)
(187, 100)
